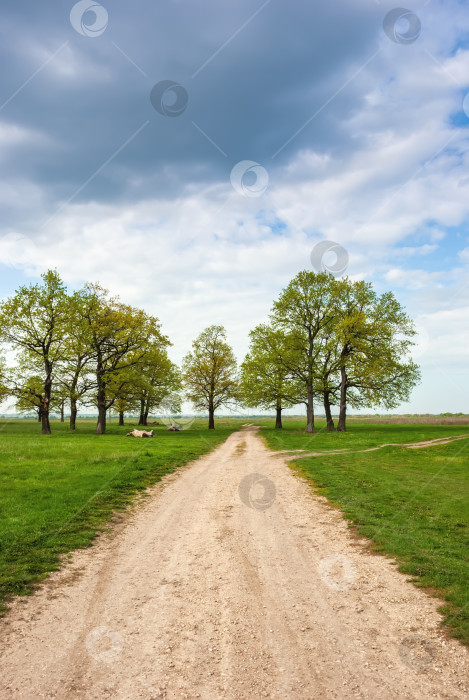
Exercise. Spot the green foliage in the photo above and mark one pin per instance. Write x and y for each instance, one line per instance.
(29, 395)
(34, 321)
(344, 344)
(375, 337)
(4, 388)
(144, 385)
(118, 337)
(86, 347)
(265, 381)
(74, 377)
(209, 372)
(329, 340)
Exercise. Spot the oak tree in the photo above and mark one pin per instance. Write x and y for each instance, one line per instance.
(210, 372)
(265, 380)
(35, 322)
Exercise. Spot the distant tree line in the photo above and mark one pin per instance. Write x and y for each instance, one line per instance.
(329, 341)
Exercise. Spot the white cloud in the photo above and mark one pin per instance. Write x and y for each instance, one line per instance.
(413, 279)
(425, 249)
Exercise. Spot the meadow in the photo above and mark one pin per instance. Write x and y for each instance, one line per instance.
(58, 491)
(411, 504)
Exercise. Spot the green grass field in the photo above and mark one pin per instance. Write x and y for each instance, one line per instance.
(57, 491)
(413, 504)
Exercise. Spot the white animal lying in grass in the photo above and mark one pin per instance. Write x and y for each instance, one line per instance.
(140, 433)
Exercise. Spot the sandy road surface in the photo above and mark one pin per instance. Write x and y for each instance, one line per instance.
(197, 594)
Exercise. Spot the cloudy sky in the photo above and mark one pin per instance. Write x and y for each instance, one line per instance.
(191, 155)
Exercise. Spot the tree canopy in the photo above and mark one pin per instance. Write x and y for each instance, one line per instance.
(328, 341)
(266, 382)
(344, 344)
(34, 321)
(210, 372)
(83, 347)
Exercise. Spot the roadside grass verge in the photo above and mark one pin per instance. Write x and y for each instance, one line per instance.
(412, 504)
(57, 491)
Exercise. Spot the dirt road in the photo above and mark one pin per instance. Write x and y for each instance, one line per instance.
(221, 584)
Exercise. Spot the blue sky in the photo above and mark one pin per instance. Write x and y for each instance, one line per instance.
(190, 156)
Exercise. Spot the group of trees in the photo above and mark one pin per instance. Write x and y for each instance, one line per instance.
(332, 341)
(329, 341)
(83, 348)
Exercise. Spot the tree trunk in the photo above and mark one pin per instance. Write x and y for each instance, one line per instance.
(278, 418)
(39, 414)
(211, 418)
(73, 402)
(327, 411)
(45, 430)
(73, 414)
(341, 426)
(141, 419)
(62, 411)
(121, 418)
(146, 411)
(46, 403)
(310, 412)
(101, 425)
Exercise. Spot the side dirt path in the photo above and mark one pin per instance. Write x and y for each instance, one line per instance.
(408, 445)
(232, 580)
